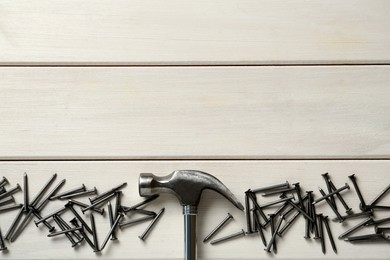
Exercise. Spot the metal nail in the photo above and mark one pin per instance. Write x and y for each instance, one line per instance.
(307, 221)
(288, 223)
(332, 206)
(3, 181)
(98, 202)
(229, 237)
(14, 223)
(111, 230)
(362, 202)
(271, 242)
(85, 236)
(252, 197)
(45, 187)
(259, 228)
(111, 218)
(275, 202)
(10, 192)
(379, 221)
(327, 179)
(380, 195)
(6, 201)
(273, 192)
(149, 199)
(21, 227)
(62, 232)
(272, 187)
(346, 186)
(45, 200)
(379, 207)
(25, 192)
(326, 222)
(107, 193)
(79, 194)
(143, 211)
(356, 215)
(2, 244)
(69, 205)
(78, 203)
(10, 207)
(365, 238)
(68, 227)
(151, 225)
(57, 212)
(298, 192)
(134, 221)
(321, 232)
(71, 191)
(94, 234)
(247, 214)
(358, 226)
(341, 199)
(47, 224)
(301, 210)
(218, 227)
(70, 238)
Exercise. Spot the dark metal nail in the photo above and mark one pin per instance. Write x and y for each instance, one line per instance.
(25, 192)
(68, 227)
(288, 223)
(275, 202)
(69, 205)
(47, 224)
(356, 215)
(10, 192)
(259, 228)
(94, 234)
(149, 199)
(45, 187)
(298, 192)
(79, 194)
(379, 196)
(111, 230)
(118, 206)
(6, 201)
(271, 243)
(45, 200)
(151, 225)
(272, 187)
(307, 221)
(326, 222)
(21, 226)
(341, 199)
(98, 202)
(85, 236)
(14, 223)
(218, 227)
(362, 202)
(365, 238)
(379, 221)
(134, 221)
(328, 186)
(301, 210)
(273, 192)
(247, 214)
(379, 207)
(2, 244)
(316, 228)
(143, 211)
(332, 206)
(10, 207)
(70, 238)
(62, 232)
(321, 232)
(107, 193)
(346, 186)
(111, 218)
(3, 181)
(229, 237)
(57, 212)
(252, 197)
(358, 226)
(71, 191)
(78, 203)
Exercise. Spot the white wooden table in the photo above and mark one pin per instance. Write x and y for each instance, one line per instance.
(254, 92)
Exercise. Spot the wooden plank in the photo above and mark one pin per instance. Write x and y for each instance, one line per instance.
(166, 240)
(218, 112)
(194, 32)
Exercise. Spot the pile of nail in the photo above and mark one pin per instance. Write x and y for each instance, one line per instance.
(77, 229)
(294, 204)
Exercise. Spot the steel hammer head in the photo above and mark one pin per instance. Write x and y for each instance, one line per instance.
(186, 185)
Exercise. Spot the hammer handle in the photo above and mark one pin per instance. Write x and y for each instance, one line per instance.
(189, 233)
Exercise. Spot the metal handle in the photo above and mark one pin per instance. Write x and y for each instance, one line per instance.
(190, 232)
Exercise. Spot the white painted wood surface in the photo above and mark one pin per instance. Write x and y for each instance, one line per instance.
(195, 112)
(194, 32)
(166, 240)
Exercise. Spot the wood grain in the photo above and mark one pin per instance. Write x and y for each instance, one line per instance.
(195, 112)
(194, 32)
(166, 240)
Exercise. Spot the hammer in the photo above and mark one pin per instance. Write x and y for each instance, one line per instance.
(187, 186)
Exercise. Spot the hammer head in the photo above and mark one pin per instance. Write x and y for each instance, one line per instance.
(186, 185)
